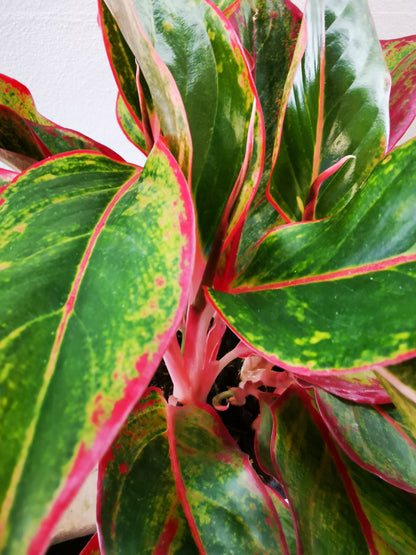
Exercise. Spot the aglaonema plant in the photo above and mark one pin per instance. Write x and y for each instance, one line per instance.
(275, 204)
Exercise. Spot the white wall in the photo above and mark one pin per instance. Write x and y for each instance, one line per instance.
(54, 47)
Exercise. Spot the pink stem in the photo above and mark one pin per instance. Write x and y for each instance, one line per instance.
(239, 351)
(176, 366)
(197, 325)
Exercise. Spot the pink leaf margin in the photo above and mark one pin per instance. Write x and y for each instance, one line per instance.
(224, 434)
(86, 458)
(331, 422)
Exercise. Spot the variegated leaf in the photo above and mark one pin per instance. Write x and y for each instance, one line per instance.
(96, 258)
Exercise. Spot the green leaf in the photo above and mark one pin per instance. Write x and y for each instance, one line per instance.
(163, 89)
(285, 517)
(263, 442)
(27, 137)
(338, 107)
(192, 43)
(310, 309)
(400, 55)
(391, 511)
(400, 383)
(264, 429)
(325, 517)
(124, 68)
(122, 60)
(269, 32)
(164, 456)
(129, 125)
(139, 509)
(235, 515)
(373, 438)
(95, 262)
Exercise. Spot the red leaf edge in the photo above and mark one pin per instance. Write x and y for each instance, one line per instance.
(344, 445)
(86, 458)
(115, 75)
(304, 371)
(92, 547)
(170, 415)
(346, 479)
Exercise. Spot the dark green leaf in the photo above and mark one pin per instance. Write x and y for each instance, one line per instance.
(95, 261)
(372, 438)
(391, 511)
(192, 43)
(230, 508)
(310, 309)
(338, 107)
(325, 517)
(139, 509)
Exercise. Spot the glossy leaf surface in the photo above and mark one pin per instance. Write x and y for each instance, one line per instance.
(390, 511)
(140, 511)
(124, 68)
(325, 518)
(373, 438)
(400, 55)
(263, 443)
(237, 515)
(315, 298)
(88, 306)
(129, 125)
(400, 382)
(361, 387)
(338, 107)
(166, 456)
(163, 89)
(269, 32)
(194, 43)
(27, 137)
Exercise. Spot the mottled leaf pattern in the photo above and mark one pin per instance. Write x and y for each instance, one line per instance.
(27, 137)
(237, 514)
(154, 459)
(124, 68)
(215, 88)
(138, 467)
(400, 383)
(252, 116)
(325, 517)
(78, 341)
(400, 55)
(373, 438)
(305, 301)
(390, 511)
